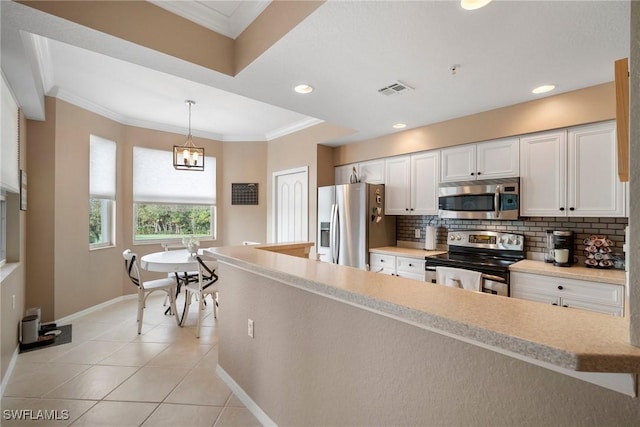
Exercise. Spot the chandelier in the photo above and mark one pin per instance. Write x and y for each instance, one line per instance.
(188, 156)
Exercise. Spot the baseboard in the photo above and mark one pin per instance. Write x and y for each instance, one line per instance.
(257, 412)
(91, 309)
(9, 371)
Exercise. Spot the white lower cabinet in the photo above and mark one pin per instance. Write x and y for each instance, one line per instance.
(401, 266)
(594, 296)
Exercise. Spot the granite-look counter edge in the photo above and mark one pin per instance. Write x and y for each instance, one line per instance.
(570, 339)
(614, 277)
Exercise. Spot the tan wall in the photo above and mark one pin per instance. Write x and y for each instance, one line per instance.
(41, 212)
(274, 22)
(68, 277)
(294, 151)
(587, 105)
(244, 162)
(317, 361)
(148, 25)
(14, 284)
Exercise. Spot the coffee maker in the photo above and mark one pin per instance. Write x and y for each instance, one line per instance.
(562, 248)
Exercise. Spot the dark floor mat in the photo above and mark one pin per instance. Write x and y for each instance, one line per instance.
(63, 338)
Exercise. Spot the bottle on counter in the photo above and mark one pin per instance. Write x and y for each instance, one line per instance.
(549, 246)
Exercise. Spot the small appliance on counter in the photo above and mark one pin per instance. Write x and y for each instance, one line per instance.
(563, 248)
(430, 233)
(597, 250)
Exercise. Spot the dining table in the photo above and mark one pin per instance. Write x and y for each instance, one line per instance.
(178, 261)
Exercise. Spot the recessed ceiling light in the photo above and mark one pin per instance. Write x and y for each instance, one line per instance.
(303, 88)
(473, 4)
(400, 126)
(543, 89)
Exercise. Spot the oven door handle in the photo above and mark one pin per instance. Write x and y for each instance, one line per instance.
(496, 201)
(494, 278)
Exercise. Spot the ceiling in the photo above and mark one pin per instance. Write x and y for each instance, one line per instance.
(347, 50)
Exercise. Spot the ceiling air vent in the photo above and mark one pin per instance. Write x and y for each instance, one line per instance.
(395, 89)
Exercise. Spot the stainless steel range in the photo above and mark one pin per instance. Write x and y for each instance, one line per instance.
(489, 252)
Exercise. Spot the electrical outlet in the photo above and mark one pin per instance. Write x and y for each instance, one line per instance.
(250, 328)
(13, 302)
(417, 233)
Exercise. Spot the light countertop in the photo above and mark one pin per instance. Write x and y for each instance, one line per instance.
(615, 277)
(409, 252)
(576, 340)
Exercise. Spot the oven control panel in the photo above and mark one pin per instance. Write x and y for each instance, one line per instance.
(486, 239)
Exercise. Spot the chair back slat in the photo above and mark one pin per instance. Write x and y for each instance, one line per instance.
(209, 276)
(131, 267)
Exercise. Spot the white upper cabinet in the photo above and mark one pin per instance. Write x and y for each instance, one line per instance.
(483, 160)
(397, 180)
(425, 171)
(411, 184)
(593, 170)
(371, 171)
(343, 173)
(498, 159)
(571, 173)
(458, 163)
(543, 165)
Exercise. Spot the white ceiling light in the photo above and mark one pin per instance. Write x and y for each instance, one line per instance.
(303, 88)
(543, 89)
(473, 4)
(400, 126)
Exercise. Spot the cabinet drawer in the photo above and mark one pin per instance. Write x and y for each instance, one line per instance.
(381, 263)
(567, 289)
(414, 266)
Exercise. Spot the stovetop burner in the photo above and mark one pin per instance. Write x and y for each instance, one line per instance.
(487, 251)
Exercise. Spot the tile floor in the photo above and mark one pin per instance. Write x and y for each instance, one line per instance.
(111, 376)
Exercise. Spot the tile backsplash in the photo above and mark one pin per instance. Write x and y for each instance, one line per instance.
(533, 228)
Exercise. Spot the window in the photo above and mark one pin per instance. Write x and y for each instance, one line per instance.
(102, 192)
(169, 204)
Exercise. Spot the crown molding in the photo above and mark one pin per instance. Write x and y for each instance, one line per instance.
(292, 128)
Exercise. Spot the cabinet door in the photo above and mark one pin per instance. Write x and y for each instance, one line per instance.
(458, 163)
(343, 173)
(382, 263)
(425, 176)
(599, 308)
(543, 160)
(594, 188)
(498, 159)
(371, 171)
(397, 183)
(411, 268)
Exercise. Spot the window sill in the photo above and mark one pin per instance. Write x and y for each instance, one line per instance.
(97, 248)
(7, 269)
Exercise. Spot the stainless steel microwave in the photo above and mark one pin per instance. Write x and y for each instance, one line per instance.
(488, 199)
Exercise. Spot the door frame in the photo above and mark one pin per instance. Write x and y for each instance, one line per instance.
(274, 198)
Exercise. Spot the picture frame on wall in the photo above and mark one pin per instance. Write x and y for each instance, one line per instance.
(23, 190)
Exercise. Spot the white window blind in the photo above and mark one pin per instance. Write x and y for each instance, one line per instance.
(102, 169)
(156, 181)
(9, 143)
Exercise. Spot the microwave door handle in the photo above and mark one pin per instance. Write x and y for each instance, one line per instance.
(496, 201)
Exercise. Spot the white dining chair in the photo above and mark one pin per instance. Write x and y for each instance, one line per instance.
(145, 288)
(204, 285)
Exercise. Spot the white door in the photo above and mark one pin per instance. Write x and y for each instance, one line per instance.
(291, 205)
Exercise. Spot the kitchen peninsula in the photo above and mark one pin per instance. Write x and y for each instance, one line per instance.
(336, 345)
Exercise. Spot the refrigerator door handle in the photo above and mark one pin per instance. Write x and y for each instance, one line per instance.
(337, 234)
(332, 234)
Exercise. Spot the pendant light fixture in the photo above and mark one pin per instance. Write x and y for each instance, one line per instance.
(188, 156)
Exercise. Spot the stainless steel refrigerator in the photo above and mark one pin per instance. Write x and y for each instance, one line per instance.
(351, 220)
